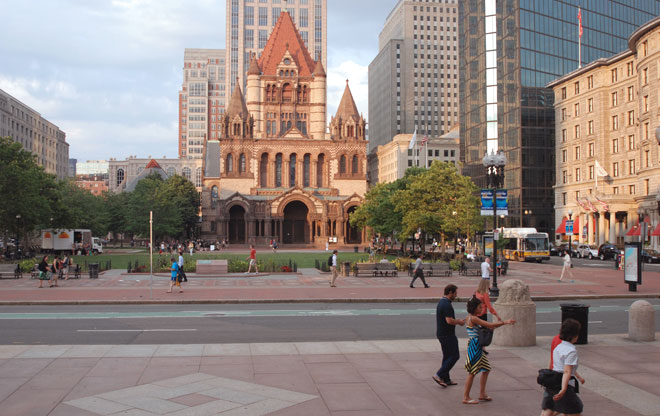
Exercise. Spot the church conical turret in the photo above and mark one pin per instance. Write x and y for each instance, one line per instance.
(237, 123)
(347, 123)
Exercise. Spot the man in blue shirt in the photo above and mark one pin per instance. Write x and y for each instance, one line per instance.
(446, 333)
(174, 271)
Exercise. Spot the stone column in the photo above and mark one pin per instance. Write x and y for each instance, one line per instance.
(514, 302)
(612, 237)
(590, 228)
(641, 321)
(601, 228)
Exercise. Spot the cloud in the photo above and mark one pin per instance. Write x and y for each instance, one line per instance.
(357, 76)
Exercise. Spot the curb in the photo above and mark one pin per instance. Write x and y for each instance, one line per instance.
(280, 301)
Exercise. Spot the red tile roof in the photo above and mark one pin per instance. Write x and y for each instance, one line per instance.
(285, 37)
(152, 164)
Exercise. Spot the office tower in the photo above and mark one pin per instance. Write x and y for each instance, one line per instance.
(509, 51)
(201, 99)
(413, 82)
(37, 135)
(249, 23)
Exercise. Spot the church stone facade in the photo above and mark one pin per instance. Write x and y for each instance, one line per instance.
(275, 172)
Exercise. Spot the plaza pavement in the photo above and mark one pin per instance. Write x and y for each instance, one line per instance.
(363, 378)
(116, 286)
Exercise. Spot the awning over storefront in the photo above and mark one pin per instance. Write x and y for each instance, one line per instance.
(635, 230)
(562, 227)
(656, 231)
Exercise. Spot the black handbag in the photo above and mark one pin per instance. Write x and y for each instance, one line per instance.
(485, 336)
(550, 379)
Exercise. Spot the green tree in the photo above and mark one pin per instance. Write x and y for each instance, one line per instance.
(74, 207)
(182, 193)
(431, 198)
(148, 196)
(27, 191)
(115, 213)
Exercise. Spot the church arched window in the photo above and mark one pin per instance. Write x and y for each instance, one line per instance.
(292, 170)
(241, 163)
(186, 173)
(229, 168)
(306, 168)
(354, 165)
(214, 192)
(342, 164)
(278, 170)
(120, 176)
(287, 92)
(198, 177)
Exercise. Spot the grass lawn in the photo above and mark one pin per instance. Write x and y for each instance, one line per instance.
(304, 260)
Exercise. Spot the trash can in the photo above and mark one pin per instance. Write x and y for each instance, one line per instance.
(345, 269)
(355, 249)
(580, 313)
(93, 270)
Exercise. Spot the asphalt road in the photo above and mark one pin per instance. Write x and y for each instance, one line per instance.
(596, 263)
(197, 324)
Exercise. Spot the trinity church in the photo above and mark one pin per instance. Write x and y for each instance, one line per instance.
(275, 172)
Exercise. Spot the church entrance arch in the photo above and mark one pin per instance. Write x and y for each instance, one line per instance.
(353, 234)
(236, 225)
(295, 228)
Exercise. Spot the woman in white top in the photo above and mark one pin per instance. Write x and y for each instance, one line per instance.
(565, 360)
(567, 266)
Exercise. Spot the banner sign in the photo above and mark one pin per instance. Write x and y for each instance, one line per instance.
(569, 227)
(502, 196)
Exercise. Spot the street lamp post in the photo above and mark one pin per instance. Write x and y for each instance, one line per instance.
(494, 164)
(570, 236)
(18, 250)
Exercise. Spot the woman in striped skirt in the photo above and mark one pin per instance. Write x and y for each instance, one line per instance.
(476, 361)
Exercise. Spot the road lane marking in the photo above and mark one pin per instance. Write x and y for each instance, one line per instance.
(137, 330)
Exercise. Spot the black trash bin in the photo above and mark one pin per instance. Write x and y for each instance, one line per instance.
(580, 313)
(93, 270)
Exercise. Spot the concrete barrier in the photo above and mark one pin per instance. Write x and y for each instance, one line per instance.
(641, 321)
(514, 302)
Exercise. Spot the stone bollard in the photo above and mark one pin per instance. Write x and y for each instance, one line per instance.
(641, 321)
(514, 302)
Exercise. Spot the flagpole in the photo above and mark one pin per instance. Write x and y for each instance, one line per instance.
(579, 37)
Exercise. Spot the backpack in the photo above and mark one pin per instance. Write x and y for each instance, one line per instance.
(330, 261)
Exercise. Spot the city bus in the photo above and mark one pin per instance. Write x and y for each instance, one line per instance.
(525, 244)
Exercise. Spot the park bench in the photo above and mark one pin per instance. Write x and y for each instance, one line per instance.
(375, 269)
(470, 269)
(10, 271)
(432, 269)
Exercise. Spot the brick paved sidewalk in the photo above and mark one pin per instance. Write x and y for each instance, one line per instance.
(309, 284)
(369, 378)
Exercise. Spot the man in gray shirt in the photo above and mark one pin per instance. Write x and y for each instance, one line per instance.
(418, 272)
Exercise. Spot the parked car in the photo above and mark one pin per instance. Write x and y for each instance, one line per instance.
(607, 251)
(587, 251)
(650, 256)
(554, 250)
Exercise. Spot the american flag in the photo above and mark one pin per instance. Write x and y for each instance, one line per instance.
(603, 203)
(425, 139)
(580, 20)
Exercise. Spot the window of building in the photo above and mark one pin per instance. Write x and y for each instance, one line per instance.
(615, 169)
(631, 93)
(198, 177)
(186, 173)
(342, 164)
(631, 167)
(591, 149)
(292, 170)
(631, 117)
(615, 145)
(120, 176)
(229, 168)
(645, 48)
(615, 190)
(590, 81)
(563, 93)
(564, 135)
(577, 131)
(615, 122)
(307, 160)
(576, 109)
(241, 163)
(646, 130)
(577, 195)
(591, 171)
(645, 78)
(278, 170)
(577, 152)
(563, 114)
(564, 155)
(646, 158)
(577, 87)
(631, 142)
(646, 186)
(591, 127)
(630, 68)
(631, 189)
(645, 103)
(590, 105)
(615, 99)
(563, 198)
(564, 176)
(614, 75)
(577, 174)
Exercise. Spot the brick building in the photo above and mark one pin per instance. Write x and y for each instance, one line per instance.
(274, 172)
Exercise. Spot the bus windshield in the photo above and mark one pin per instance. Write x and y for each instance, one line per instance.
(537, 243)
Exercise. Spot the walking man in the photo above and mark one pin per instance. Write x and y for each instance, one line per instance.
(180, 262)
(567, 266)
(253, 260)
(418, 272)
(333, 268)
(446, 333)
(486, 269)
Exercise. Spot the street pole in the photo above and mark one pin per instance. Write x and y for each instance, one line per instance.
(494, 290)
(570, 236)
(151, 254)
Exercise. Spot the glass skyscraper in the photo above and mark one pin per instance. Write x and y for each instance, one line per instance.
(509, 51)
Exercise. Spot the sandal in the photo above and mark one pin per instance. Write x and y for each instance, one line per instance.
(485, 399)
(440, 382)
(451, 383)
(471, 401)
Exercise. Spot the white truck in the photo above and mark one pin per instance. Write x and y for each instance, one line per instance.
(78, 240)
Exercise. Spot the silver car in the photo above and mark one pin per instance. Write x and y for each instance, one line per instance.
(587, 251)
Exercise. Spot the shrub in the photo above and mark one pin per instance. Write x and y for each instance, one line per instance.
(237, 266)
(455, 264)
(27, 265)
(402, 263)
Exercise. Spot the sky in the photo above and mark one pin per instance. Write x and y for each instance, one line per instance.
(108, 72)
